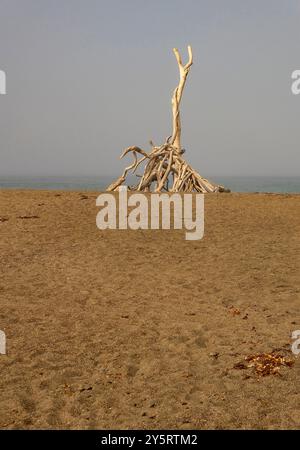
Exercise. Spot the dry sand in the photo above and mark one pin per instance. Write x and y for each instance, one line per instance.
(142, 329)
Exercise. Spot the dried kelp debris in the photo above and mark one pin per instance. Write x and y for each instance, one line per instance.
(28, 217)
(265, 364)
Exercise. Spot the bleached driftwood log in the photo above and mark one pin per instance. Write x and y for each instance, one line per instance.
(164, 166)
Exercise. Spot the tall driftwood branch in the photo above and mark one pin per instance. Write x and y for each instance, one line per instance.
(177, 94)
(165, 167)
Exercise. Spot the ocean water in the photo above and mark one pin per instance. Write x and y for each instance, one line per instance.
(99, 183)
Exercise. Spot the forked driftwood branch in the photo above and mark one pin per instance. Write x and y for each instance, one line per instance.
(164, 166)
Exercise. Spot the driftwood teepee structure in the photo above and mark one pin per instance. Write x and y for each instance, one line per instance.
(164, 166)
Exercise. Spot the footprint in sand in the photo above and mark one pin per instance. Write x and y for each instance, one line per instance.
(132, 370)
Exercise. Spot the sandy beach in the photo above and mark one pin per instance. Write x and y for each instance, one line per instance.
(143, 329)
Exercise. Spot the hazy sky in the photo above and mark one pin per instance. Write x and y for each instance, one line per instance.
(85, 79)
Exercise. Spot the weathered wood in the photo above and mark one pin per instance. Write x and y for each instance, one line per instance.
(165, 167)
(183, 73)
